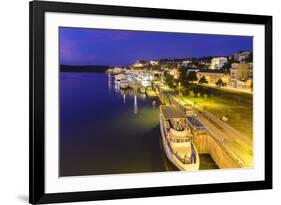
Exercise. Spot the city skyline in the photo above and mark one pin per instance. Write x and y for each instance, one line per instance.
(85, 46)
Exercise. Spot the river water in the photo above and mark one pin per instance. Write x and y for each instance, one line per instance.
(105, 130)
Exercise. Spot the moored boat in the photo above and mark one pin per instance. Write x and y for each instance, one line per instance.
(119, 77)
(177, 139)
(124, 84)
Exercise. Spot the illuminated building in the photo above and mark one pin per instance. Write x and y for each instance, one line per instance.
(213, 77)
(241, 75)
(217, 63)
(240, 57)
(154, 62)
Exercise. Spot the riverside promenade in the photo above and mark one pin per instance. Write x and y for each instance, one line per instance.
(228, 147)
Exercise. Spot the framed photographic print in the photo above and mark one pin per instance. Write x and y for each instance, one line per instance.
(140, 102)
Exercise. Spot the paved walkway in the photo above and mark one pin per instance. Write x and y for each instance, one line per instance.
(237, 145)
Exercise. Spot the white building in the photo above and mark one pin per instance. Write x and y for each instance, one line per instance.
(138, 65)
(185, 63)
(154, 62)
(217, 63)
(241, 75)
(240, 57)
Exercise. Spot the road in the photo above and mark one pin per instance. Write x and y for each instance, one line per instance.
(237, 145)
(229, 89)
(238, 150)
(227, 128)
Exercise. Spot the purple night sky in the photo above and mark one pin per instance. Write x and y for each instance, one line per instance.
(81, 46)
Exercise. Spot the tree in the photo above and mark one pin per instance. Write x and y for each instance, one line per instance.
(203, 80)
(169, 79)
(156, 67)
(183, 76)
(195, 92)
(226, 66)
(208, 93)
(143, 61)
(219, 83)
(186, 92)
(202, 67)
(192, 76)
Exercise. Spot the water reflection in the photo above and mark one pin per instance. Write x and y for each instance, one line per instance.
(124, 98)
(135, 105)
(117, 86)
(153, 103)
(110, 82)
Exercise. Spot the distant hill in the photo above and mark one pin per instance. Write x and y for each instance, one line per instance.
(83, 68)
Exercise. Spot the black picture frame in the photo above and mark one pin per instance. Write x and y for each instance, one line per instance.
(37, 10)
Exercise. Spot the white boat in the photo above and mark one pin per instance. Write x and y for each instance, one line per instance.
(119, 77)
(177, 139)
(124, 83)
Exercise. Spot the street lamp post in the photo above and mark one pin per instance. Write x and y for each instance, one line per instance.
(179, 88)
